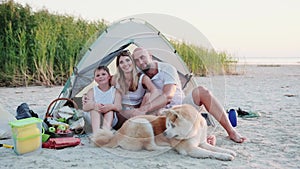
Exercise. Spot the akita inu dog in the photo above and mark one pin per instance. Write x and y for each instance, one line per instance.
(181, 127)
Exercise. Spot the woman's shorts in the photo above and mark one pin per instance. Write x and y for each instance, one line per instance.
(115, 120)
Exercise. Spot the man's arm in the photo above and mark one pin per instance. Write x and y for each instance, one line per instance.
(160, 101)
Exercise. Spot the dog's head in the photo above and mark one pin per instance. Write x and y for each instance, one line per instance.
(181, 122)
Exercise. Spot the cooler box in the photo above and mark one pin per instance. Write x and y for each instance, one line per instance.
(27, 135)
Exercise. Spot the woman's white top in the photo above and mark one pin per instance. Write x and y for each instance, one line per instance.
(135, 97)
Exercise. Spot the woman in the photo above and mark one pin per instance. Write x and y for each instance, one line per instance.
(132, 85)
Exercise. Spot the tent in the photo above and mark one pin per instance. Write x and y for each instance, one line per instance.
(5, 118)
(128, 34)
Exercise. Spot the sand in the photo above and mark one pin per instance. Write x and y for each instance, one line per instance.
(273, 139)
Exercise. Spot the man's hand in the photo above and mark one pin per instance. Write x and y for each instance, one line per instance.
(132, 113)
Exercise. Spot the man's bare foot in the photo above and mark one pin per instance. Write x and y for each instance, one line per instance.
(211, 140)
(236, 137)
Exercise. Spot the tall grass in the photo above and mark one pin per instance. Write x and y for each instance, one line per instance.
(202, 61)
(42, 48)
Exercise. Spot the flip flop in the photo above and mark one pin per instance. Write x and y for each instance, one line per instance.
(245, 114)
(252, 115)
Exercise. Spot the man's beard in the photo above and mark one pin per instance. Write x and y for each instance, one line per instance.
(146, 69)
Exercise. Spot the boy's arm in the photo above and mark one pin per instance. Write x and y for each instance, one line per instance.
(88, 102)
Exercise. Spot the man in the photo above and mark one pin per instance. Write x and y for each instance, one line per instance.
(165, 77)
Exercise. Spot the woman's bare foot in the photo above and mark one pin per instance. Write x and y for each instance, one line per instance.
(211, 140)
(236, 137)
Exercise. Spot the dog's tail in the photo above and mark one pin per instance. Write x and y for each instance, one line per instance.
(104, 138)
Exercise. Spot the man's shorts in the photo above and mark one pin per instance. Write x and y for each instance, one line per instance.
(188, 99)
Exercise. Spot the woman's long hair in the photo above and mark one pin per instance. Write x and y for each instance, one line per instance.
(120, 77)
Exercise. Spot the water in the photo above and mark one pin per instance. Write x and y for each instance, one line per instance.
(270, 60)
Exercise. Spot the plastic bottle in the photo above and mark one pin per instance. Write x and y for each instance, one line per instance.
(232, 115)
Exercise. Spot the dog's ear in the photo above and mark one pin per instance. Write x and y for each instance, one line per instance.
(174, 114)
(170, 112)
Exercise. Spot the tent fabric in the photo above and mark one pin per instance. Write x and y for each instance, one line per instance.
(5, 118)
(127, 33)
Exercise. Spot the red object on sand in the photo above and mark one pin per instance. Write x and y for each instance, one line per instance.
(62, 142)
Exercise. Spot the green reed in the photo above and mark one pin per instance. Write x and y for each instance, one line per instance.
(202, 61)
(40, 48)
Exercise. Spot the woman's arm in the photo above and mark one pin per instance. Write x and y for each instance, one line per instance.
(118, 101)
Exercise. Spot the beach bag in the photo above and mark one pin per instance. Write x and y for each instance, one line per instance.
(60, 143)
(23, 111)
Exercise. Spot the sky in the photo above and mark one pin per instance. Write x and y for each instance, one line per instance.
(242, 28)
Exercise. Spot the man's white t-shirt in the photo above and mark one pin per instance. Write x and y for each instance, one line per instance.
(167, 74)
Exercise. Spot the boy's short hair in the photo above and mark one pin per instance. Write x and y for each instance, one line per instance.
(102, 67)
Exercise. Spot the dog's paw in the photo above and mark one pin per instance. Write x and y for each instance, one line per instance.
(231, 153)
(222, 156)
(227, 157)
(230, 158)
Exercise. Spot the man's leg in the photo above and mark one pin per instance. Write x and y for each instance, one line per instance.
(202, 96)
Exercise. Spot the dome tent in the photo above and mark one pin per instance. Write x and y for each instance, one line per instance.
(125, 34)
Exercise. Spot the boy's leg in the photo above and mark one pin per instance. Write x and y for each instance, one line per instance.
(95, 119)
(107, 120)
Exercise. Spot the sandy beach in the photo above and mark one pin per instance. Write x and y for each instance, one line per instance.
(273, 139)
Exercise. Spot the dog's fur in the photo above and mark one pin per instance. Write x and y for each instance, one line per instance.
(182, 127)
